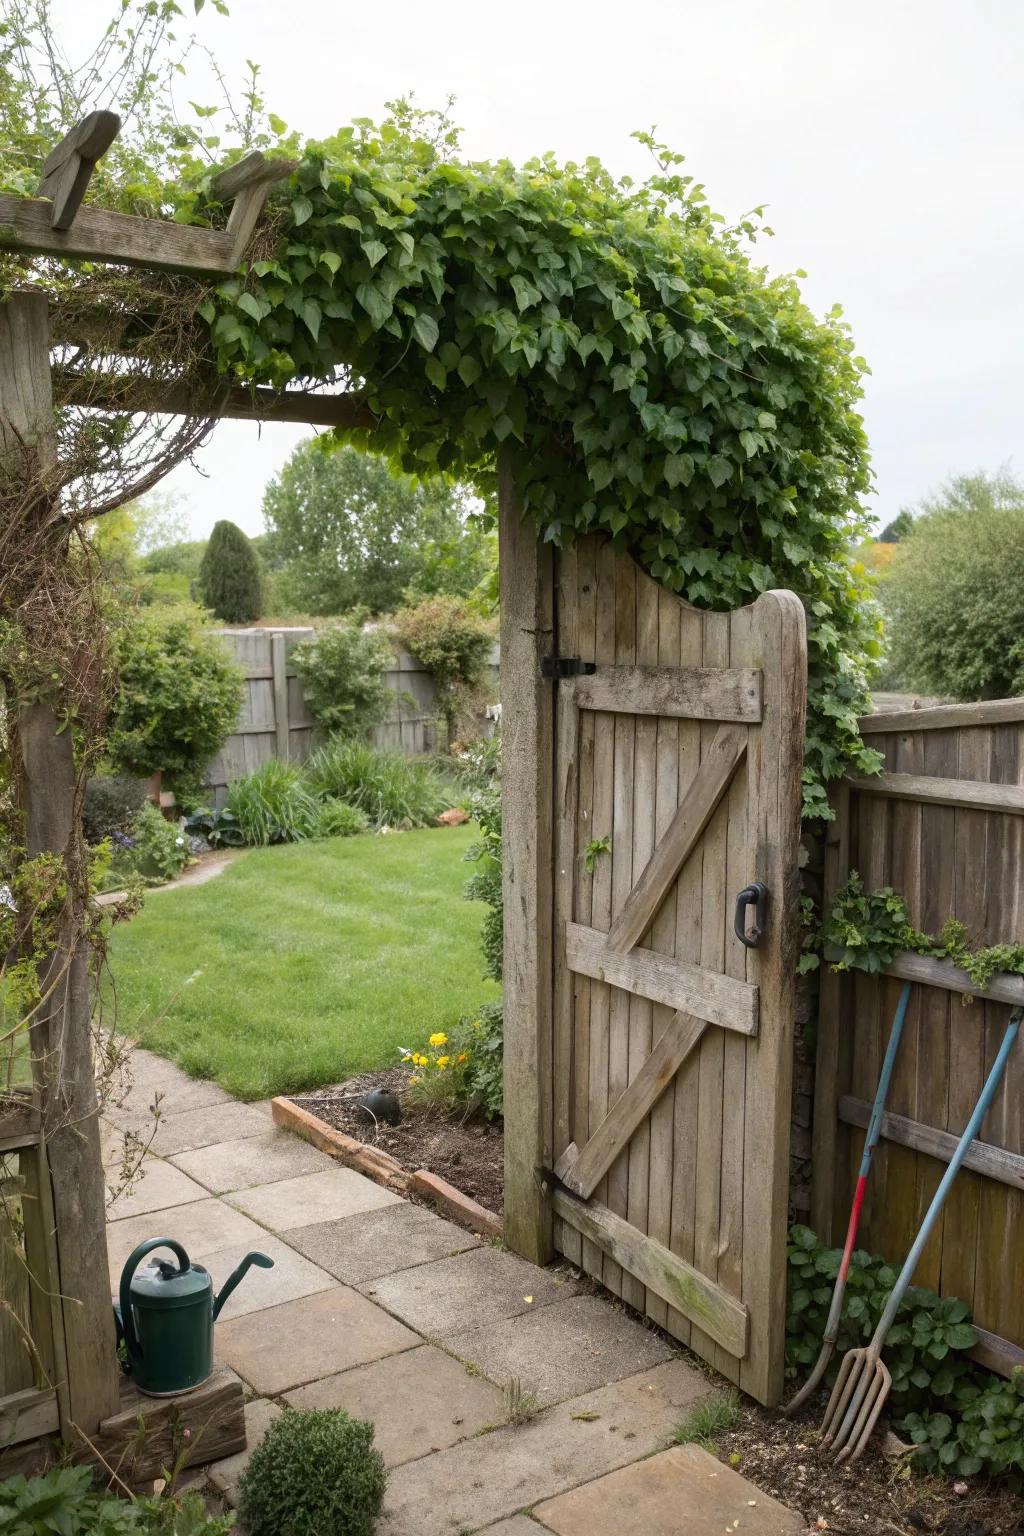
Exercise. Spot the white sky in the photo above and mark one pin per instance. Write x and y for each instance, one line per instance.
(885, 136)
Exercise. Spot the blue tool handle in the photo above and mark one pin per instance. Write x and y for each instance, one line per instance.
(981, 1109)
(885, 1078)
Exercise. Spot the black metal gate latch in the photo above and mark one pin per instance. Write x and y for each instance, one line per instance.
(566, 666)
(756, 896)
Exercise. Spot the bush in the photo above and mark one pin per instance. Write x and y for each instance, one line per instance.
(66, 1503)
(159, 849)
(274, 804)
(314, 1473)
(229, 575)
(453, 642)
(178, 698)
(954, 593)
(338, 819)
(343, 669)
(485, 884)
(392, 791)
(111, 805)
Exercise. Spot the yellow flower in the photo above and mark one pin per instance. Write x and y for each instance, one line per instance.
(415, 1078)
(477, 1024)
(419, 1061)
(439, 1039)
(461, 1057)
(443, 1061)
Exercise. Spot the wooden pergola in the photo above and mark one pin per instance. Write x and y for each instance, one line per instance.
(56, 1127)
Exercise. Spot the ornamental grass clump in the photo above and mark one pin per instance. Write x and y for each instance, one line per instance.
(314, 1473)
(392, 791)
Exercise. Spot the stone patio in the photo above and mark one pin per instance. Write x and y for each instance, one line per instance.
(385, 1309)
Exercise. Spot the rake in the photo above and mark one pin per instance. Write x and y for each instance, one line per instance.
(835, 1313)
(863, 1383)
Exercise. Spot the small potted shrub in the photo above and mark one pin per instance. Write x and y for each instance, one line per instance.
(314, 1473)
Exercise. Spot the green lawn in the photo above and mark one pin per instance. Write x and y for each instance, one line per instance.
(307, 963)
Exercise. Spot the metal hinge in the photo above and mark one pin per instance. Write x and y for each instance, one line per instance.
(566, 666)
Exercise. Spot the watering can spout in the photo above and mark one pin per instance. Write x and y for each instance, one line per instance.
(234, 1279)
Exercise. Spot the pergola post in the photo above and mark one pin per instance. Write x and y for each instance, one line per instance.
(61, 1040)
(527, 792)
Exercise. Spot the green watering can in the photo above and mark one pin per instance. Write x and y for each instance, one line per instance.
(166, 1317)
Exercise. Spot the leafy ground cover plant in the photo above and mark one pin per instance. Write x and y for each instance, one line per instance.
(484, 884)
(342, 668)
(65, 1502)
(963, 1419)
(392, 791)
(315, 1472)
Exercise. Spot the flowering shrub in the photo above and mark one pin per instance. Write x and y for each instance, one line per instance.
(154, 851)
(463, 1067)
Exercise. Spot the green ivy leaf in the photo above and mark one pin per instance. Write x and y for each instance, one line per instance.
(425, 330)
(302, 210)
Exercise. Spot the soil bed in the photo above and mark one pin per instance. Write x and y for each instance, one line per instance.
(467, 1151)
(878, 1496)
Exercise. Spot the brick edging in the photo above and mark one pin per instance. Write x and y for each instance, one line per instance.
(384, 1169)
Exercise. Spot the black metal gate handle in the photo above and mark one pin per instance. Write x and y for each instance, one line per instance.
(756, 896)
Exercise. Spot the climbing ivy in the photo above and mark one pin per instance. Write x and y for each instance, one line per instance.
(654, 381)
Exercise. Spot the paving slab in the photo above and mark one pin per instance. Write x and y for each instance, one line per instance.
(563, 1349)
(177, 1095)
(479, 1286)
(156, 1187)
(185, 1129)
(201, 1228)
(313, 1198)
(681, 1492)
(419, 1401)
(364, 1247)
(291, 1277)
(301, 1341)
(241, 1163)
(224, 1475)
(478, 1482)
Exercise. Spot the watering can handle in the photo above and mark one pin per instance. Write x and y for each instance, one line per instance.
(135, 1258)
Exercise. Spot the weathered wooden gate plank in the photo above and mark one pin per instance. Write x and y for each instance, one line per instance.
(685, 831)
(720, 1315)
(583, 1170)
(691, 988)
(686, 693)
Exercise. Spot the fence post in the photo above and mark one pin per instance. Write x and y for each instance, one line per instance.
(279, 667)
(527, 793)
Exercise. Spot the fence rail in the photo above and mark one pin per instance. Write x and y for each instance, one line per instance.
(943, 826)
(275, 720)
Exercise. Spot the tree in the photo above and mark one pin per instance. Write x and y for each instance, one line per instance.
(348, 532)
(229, 576)
(901, 525)
(954, 594)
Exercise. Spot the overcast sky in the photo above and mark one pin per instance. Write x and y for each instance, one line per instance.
(885, 136)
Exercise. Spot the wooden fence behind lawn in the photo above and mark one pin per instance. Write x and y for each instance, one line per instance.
(275, 720)
(943, 825)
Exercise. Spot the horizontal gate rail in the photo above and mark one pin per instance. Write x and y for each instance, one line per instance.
(720, 1315)
(691, 988)
(685, 693)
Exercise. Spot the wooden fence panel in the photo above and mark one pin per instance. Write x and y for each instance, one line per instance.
(275, 720)
(949, 836)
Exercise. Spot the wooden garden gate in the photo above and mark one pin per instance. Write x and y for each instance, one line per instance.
(676, 747)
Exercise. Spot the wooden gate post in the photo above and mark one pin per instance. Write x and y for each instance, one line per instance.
(527, 793)
(61, 1037)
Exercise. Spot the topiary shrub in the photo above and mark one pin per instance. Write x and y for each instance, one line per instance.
(178, 697)
(342, 669)
(229, 576)
(314, 1473)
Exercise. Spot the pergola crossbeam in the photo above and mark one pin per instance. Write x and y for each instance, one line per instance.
(67, 170)
(234, 402)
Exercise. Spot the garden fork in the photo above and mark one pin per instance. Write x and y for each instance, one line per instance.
(863, 1383)
(835, 1313)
